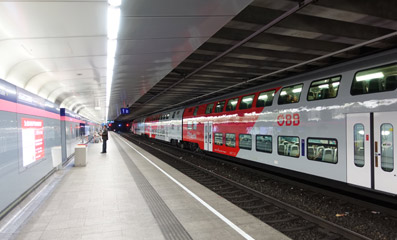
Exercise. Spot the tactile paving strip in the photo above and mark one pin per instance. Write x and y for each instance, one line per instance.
(168, 223)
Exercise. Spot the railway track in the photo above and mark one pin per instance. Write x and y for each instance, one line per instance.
(290, 220)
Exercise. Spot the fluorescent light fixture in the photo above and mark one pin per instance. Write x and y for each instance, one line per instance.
(283, 93)
(247, 100)
(263, 97)
(97, 108)
(323, 86)
(114, 3)
(335, 84)
(297, 90)
(369, 76)
(233, 102)
(113, 23)
(385, 133)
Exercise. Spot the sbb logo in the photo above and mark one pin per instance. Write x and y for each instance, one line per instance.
(288, 119)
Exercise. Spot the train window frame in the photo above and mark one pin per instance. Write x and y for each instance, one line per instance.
(216, 137)
(189, 125)
(376, 71)
(226, 139)
(278, 146)
(267, 91)
(271, 143)
(328, 139)
(239, 141)
(223, 107)
(324, 79)
(284, 102)
(242, 100)
(211, 109)
(195, 111)
(230, 101)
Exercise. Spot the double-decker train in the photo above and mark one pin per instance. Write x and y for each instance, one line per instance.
(334, 125)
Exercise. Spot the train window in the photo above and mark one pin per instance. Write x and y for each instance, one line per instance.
(359, 150)
(173, 115)
(322, 149)
(219, 106)
(246, 102)
(245, 141)
(387, 146)
(230, 140)
(323, 89)
(209, 108)
(189, 125)
(288, 146)
(265, 99)
(218, 139)
(232, 104)
(195, 125)
(264, 143)
(290, 94)
(195, 111)
(375, 80)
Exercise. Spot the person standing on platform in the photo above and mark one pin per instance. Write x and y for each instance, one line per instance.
(104, 138)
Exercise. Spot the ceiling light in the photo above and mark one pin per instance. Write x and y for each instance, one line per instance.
(114, 3)
(113, 22)
(369, 76)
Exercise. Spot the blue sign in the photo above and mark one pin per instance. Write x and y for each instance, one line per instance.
(125, 111)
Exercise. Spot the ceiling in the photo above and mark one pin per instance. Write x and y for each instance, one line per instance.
(173, 52)
(270, 40)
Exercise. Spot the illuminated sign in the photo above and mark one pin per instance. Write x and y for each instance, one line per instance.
(32, 140)
(124, 111)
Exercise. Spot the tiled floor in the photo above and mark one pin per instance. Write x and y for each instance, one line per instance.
(102, 201)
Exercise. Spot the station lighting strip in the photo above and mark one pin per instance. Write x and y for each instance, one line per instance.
(113, 22)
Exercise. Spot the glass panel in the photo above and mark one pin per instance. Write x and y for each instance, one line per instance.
(323, 89)
(374, 80)
(218, 139)
(290, 94)
(245, 141)
(219, 106)
(246, 102)
(195, 125)
(264, 143)
(230, 140)
(288, 146)
(189, 125)
(195, 111)
(232, 104)
(324, 150)
(359, 159)
(209, 108)
(387, 146)
(265, 99)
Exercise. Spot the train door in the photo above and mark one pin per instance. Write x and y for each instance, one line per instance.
(370, 150)
(385, 172)
(208, 136)
(359, 149)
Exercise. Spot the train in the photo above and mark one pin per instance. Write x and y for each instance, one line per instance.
(36, 137)
(332, 126)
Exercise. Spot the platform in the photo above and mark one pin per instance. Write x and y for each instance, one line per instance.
(130, 194)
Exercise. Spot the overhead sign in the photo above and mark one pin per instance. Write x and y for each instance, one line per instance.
(125, 111)
(32, 140)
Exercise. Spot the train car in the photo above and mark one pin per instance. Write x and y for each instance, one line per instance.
(30, 141)
(138, 126)
(336, 123)
(165, 126)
